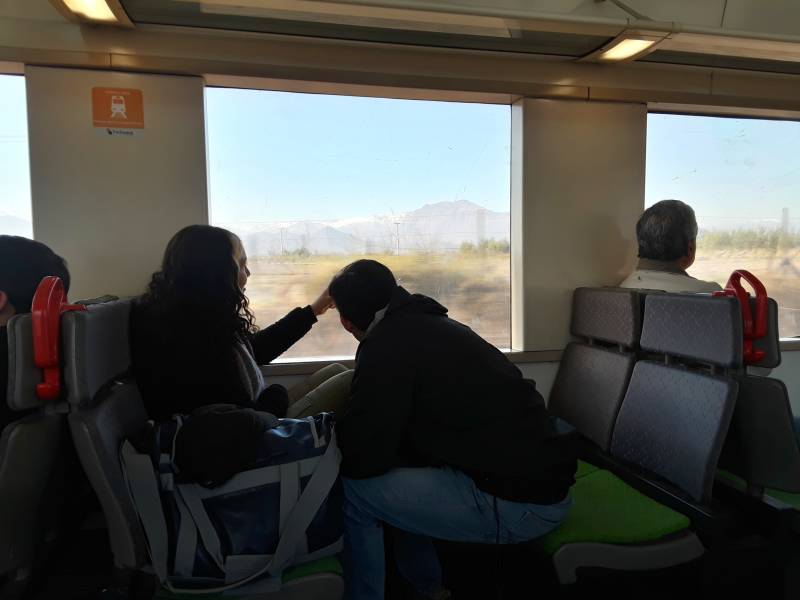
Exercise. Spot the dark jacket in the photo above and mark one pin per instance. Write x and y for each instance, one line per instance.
(180, 367)
(428, 391)
(6, 416)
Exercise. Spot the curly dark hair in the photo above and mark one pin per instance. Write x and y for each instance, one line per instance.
(199, 279)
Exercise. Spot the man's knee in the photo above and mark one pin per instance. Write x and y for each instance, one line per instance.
(358, 499)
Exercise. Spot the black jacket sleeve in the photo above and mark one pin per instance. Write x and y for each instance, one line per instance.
(270, 343)
(373, 427)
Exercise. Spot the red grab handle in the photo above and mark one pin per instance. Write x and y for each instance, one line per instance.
(754, 325)
(49, 301)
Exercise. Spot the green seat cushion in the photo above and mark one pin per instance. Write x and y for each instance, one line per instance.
(789, 498)
(607, 510)
(329, 564)
(585, 469)
(792, 499)
(733, 480)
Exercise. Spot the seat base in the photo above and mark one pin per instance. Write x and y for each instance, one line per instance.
(647, 557)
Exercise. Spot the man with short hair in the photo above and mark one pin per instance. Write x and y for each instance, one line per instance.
(23, 265)
(440, 438)
(667, 236)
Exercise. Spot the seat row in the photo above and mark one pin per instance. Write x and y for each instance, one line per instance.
(100, 407)
(656, 385)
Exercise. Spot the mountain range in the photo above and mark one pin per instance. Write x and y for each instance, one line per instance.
(435, 227)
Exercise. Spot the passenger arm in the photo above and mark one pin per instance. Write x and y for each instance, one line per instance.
(270, 343)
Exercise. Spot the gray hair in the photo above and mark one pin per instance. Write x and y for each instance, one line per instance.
(665, 230)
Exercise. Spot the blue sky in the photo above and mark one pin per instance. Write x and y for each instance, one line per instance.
(281, 156)
(732, 170)
(277, 156)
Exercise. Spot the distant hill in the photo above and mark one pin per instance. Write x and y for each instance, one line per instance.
(438, 227)
(11, 225)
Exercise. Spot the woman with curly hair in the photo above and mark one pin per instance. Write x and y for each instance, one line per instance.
(194, 342)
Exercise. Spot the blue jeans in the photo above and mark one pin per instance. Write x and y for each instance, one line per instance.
(427, 503)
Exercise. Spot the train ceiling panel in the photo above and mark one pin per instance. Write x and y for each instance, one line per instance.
(736, 34)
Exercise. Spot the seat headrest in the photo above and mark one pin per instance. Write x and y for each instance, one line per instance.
(96, 348)
(607, 314)
(696, 327)
(23, 375)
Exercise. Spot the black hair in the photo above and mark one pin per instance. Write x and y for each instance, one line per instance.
(23, 265)
(361, 289)
(199, 279)
(665, 230)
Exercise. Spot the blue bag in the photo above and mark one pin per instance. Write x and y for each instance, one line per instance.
(285, 510)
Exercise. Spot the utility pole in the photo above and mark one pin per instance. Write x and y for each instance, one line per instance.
(397, 234)
(281, 230)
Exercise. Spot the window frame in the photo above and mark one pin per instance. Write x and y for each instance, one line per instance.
(309, 364)
(787, 344)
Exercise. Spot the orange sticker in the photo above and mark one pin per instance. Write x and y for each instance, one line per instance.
(117, 107)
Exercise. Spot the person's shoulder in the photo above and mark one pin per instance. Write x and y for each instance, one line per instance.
(631, 281)
(701, 286)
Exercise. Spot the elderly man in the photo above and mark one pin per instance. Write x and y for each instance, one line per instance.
(667, 236)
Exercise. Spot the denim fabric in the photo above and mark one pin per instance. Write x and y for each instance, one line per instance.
(427, 503)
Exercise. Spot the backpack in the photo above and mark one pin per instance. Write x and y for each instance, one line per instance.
(283, 511)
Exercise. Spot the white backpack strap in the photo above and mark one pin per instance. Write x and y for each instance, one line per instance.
(186, 545)
(188, 492)
(314, 494)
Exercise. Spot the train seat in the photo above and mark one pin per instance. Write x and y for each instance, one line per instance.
(107, 409)
(670, 426)
(761, 455)
(31, 455)
(594, 372)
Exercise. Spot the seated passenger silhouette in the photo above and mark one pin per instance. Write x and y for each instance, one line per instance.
(667, 237)
(194, 342)
(441, 437)
(23, 264)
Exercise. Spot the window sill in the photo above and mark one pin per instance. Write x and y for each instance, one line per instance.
(790, 344)
(307, 366)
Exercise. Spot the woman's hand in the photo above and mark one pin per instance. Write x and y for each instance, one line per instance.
(322, 304)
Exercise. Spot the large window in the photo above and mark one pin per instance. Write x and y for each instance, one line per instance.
(313, 182)
(15, 185)
(742, 177)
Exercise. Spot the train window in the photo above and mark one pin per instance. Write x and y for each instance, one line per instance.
(742, 177)
(312, 182)
(15, 185)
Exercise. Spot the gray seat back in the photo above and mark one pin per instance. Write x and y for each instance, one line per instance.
(761, 446)
(30, 453)
(105, 412)
(95, 349)
(674, 418)
(98, 432)
(23, 376)
(592, 378)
